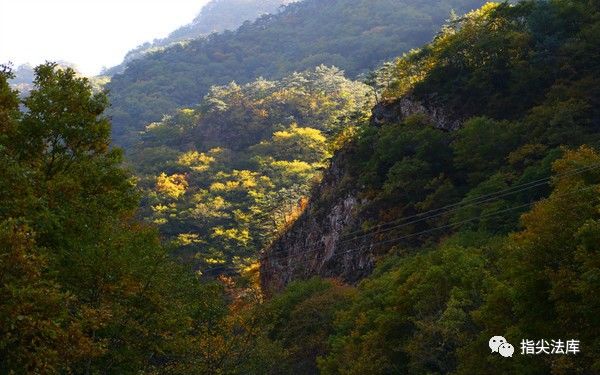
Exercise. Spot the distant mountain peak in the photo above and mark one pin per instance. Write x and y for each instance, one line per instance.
(215, 16)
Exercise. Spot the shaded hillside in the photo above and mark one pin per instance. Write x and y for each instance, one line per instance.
(520, 82)
(458, 235)
(215, 16)
(354, 35)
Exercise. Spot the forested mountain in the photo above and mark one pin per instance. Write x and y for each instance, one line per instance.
(452, 197)
(472, 197)
(215, 16)
(353, 35)
(488, 105)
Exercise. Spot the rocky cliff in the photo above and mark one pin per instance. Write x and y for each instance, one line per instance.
(327, 240)
(312, 246)
(397, 110)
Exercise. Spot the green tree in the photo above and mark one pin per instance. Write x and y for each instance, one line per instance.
(85, 287)
(548, 273)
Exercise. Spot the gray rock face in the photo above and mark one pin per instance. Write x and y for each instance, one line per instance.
(316, 244)
(327, 239)
(396, 111)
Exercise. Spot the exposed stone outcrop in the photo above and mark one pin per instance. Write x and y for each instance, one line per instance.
(315, 244)
(397, 110)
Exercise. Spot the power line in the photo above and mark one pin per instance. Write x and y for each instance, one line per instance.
(455, 205)
(507, 191)
(496, 213)
(360, 248)
(476, 202)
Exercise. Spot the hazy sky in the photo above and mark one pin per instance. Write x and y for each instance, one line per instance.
(88, 33)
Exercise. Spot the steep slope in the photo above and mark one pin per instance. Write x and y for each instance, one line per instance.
(519, 82)
(331, 238)
(354, 35)
(216, 16)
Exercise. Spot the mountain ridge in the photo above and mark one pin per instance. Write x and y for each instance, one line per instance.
(214, 17)
(302, 36)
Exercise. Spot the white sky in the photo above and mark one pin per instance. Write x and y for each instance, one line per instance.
(89, 33)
